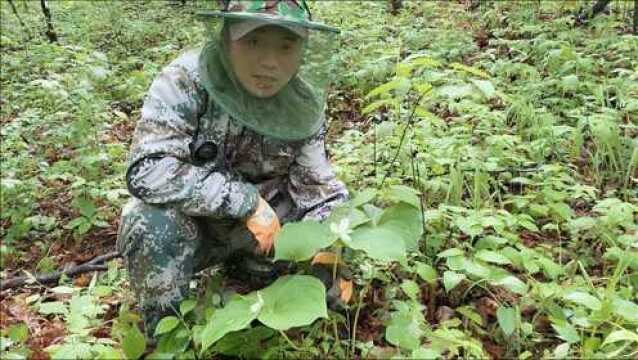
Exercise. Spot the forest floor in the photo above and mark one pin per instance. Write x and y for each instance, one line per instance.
(510, 131)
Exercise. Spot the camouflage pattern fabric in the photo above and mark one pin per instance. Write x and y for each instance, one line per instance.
(186, 216)
(284, 9)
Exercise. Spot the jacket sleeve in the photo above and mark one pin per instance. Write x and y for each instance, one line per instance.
(160, 171)
(313, 186)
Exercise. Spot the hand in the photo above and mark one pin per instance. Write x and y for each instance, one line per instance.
(264, 225)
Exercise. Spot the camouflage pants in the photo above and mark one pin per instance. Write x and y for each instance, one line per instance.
(163, 248)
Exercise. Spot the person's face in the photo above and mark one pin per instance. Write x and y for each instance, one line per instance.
(265, 59)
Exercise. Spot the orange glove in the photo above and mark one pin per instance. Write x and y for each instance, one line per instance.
(264, 225)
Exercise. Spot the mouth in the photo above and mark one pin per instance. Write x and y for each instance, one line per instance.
(264, 81)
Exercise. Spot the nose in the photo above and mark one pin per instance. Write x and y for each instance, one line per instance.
(268, 60)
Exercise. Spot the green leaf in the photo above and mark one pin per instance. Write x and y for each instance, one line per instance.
(236, 315)
(451, 279)
(293, 300)
(626, 309)
(364, 197)
(584, 299)
(562, 210)
(54, 307)
(492, 257)
(166, 325)
(512, 283)
(486, 87)
(451, 252)
(18, 333)
(378, 243)
(247, 344)
(133, 343)
(621, 335)
(404, 220)
(507, 319)
(404, 329)
(426, 354)
(85, 207)
(187, 306)
(301, 241)
(567, 332)
(406, 194)
(410, 288)
(426, 272)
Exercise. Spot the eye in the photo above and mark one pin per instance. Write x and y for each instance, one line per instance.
(251, 41)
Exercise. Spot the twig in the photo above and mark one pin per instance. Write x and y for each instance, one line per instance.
(92, 265)
(405, 130)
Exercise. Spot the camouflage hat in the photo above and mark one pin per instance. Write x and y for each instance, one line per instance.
(288, 13)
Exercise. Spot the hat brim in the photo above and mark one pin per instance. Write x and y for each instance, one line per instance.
(311, 25)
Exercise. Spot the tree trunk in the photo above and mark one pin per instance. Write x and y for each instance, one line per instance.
(599, 6)
(53, 37)
(635, 17)
(15, 11)
(395, 6)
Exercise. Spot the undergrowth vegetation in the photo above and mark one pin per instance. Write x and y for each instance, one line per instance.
(492, 157)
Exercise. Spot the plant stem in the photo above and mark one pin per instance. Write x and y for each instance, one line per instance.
(356, 318)
(292, 344)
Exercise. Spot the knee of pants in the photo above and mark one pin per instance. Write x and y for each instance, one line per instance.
(158, 245)
(164, 229)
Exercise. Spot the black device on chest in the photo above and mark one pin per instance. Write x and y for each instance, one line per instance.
(201, 150)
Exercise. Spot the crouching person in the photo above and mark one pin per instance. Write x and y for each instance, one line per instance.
(230, 144)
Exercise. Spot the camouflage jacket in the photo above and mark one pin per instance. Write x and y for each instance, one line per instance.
(294, 177)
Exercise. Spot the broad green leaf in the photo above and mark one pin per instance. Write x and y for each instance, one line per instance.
(507, 319)
(451, 252)
(584, 299)
(105, 352)
(236, 315)
(133, 343)
(626, 309)
(621, 335)
(247, 344)
(54, 307)
(562, 210)
(567, 332)
(292, 301)
(512, 283)
(300, 241)
(486, 87)
(451, 279)
(426, 354)
(406, 194)
(18, 333)
(404, 220)
(379, 243)
(492, 257)
(470, 313)
(404, 329)
(426, 272)
(187, 306)
(364, 197)
(410, 288)
(475, 269)
(165, 325)
(550, 268)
